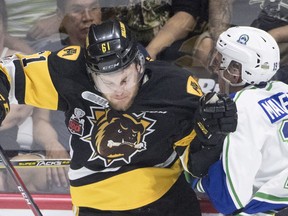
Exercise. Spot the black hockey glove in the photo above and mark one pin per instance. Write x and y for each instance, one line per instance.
(4, 107)
(215, 117)
(200, 160)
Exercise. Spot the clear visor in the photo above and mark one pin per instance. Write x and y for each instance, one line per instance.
(215, 62)
(118, 81)
(231, 74)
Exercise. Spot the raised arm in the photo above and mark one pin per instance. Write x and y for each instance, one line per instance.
(220, 12)
(176, 28)
(17, 114)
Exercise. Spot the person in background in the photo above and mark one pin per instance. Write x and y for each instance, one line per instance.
(28, 22)
(7, 48)
(18, 139)
(13, 141)
(116, 114)
(76, 16)
(50, 133)
(273, 18)
(162, 26)
(251, 176)
(201, 47)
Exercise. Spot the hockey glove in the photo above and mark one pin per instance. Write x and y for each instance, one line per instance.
(4, 107)
(200, 161)
(215, 117)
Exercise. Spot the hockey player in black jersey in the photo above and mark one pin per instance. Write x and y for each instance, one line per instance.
(131, 121)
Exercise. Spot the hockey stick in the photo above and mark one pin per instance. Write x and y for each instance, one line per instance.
(20, 185)
(41, 163)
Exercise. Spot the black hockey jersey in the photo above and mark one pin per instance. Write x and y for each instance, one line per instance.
(120, 160)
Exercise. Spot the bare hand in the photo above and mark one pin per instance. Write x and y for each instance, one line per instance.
(58, 176)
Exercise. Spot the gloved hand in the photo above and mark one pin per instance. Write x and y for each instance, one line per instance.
(215, 117)
(4, 107)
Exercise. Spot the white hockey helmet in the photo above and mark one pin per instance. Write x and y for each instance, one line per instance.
(255, 50)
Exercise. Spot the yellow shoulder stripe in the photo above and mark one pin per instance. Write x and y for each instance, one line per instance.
(193, 87)
(69, 53)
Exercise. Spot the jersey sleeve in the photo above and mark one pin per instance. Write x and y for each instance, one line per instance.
(39, 89)
(189, 98)
(30, 80)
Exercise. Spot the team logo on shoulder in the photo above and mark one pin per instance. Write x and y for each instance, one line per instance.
(69, 53)
(117, 137)
(193, 87)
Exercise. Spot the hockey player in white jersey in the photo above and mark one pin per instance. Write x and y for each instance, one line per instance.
(251, 178)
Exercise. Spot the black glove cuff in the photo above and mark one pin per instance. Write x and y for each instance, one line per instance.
(200, 162)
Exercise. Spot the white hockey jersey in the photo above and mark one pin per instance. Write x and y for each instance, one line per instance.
(252, 175)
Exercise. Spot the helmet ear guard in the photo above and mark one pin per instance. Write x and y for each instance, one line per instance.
(256, 51)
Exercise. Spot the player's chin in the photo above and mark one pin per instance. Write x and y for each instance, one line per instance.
(121, 105)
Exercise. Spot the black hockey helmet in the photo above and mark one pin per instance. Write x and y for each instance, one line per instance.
(110, 47)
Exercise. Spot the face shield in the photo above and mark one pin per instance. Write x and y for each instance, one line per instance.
(215, 62)
(232, 74)
(229, 76)
(120, 81)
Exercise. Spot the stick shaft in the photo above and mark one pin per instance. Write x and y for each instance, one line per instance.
(20, 185)
(40, 163)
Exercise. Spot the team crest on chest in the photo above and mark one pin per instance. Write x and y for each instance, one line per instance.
(117, 137)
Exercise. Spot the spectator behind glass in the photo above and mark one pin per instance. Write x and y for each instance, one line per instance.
(273, 18)
(31, 20)
(6, 49)
(13, 131)
(162, 25)
(77, 16)
(186, 30)
(220, 13)
(21, 16)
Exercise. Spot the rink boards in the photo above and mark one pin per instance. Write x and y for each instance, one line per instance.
(57, 204)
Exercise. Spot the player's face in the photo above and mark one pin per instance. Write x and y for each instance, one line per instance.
(119, 88)
(230, 78)
(79, 15)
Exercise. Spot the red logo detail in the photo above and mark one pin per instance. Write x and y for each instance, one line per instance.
(75, 126)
